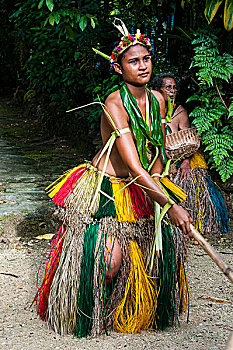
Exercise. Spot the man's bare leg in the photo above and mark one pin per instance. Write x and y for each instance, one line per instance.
(113, 256)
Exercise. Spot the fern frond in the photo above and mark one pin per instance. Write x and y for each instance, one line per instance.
(225, 168)
(198, 98)
(231, 109)
(219, 145)
(202, 122)
(211, 114)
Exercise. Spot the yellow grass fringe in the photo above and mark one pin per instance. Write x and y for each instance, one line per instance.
(177, 190)
(198, 161)
(54, 187)
(184, 288)
(137, 309)
(123, 203)
(199, 217)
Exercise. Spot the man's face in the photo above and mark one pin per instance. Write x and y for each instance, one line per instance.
(136, 67)
(169, 88)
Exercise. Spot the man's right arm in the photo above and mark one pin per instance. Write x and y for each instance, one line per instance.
(128, 152)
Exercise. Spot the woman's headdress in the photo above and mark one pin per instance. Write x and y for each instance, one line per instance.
(127, 40)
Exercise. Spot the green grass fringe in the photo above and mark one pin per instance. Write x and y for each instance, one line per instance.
(86, 288)
(106, 205)
(167, 269)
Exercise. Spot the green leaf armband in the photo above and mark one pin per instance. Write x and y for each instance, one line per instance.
(169, 204)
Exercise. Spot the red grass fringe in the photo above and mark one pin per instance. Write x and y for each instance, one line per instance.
(142, 206)
(41, 298)
(68, 186)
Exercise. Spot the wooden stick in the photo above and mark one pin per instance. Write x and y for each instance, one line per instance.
(226, 269)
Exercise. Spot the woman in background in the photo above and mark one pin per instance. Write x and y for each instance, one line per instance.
(204, 201)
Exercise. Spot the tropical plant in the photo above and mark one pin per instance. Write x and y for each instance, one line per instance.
(212, 7)
(9, 50)
(59, 63)
(100, 93)
(54, 65)
(68, 15)
(212, 116)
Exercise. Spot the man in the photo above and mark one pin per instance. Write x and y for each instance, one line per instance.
(103, 272)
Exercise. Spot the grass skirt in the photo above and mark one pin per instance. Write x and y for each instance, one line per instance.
(204, 202)
(73, 296)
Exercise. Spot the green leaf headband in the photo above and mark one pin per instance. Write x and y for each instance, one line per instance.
(127, 40)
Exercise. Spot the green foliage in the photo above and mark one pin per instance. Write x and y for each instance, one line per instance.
(212, 7)
(9, 50)
(68, 18)
(225, 168)
(211, 115)
(100, 93)
(231, 109)
(211, 64)
(55, 65)
(209, 112)
(219, 144)
(58, 37)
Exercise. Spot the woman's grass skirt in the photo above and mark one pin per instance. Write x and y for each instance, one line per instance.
(73, 296)
(205, 202)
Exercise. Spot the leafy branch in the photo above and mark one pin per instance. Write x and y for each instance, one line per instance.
(212, 116)
(67, 17)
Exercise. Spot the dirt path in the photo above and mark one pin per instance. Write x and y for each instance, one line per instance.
(211, 310)
(210, 319)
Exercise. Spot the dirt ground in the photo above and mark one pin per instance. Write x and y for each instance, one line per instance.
(211, 308)
(211, 293)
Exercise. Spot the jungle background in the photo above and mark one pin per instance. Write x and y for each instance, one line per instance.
(48, 65)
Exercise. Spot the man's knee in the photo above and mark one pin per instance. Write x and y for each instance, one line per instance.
(113, 255)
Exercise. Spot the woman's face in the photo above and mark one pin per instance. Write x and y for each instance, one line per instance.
(136, 67)
(169, 88)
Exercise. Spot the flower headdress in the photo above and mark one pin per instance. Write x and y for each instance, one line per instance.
(127, 40)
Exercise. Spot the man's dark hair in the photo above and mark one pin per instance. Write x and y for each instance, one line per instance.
(157, 83)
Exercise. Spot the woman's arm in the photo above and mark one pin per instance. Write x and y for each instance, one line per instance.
(184, 123)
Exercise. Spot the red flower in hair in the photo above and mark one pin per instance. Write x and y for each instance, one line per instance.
(129, 37)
